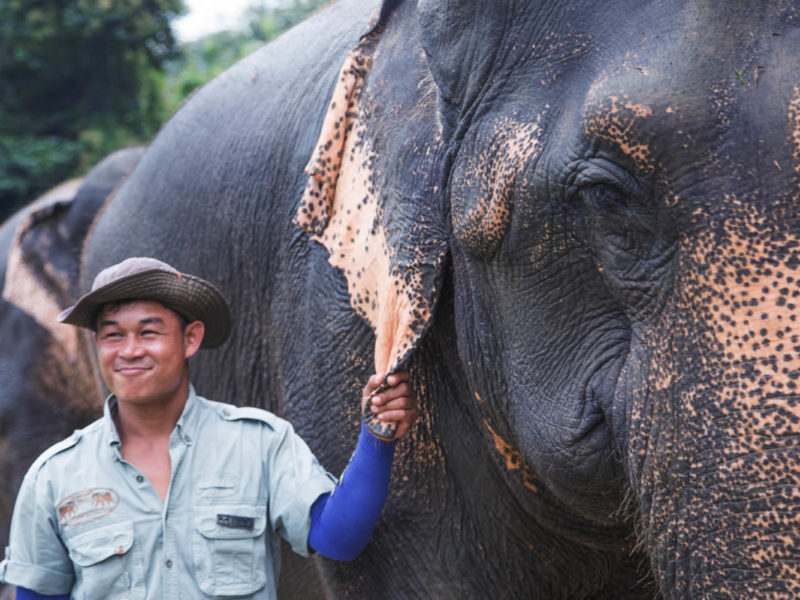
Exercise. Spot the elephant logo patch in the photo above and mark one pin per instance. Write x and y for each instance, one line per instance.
(86, 506)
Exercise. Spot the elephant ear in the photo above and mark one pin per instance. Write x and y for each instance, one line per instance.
(32, 283)
(42, 267)
(460, 55)
(372, 197)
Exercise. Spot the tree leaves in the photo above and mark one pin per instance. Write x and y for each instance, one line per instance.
(78, 79)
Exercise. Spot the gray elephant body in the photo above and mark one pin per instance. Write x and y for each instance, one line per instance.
(575, 224)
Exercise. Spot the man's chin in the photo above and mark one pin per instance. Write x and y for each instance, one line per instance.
(134, 399)
(133, 394)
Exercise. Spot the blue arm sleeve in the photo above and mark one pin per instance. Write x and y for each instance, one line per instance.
(342, 521)
(26, 594)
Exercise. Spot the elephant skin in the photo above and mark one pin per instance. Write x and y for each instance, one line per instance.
(575, 223)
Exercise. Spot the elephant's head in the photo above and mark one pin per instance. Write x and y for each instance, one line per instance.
(618, 187)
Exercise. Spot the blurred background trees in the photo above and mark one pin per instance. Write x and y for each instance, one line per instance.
(82, 78)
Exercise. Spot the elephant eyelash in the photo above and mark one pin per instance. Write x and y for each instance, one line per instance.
(610, 178)
(619, 207)
(607, 199)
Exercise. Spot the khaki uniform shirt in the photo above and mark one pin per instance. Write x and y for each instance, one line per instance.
(87, 522)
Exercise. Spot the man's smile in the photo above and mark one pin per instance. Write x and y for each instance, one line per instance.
(132, 370)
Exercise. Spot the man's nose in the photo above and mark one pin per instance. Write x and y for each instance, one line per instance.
(132, 347)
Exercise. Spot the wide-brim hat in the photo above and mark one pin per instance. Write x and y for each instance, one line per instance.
(142, 278)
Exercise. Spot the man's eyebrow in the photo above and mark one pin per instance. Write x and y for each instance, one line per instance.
(145, 321)
(152, 320)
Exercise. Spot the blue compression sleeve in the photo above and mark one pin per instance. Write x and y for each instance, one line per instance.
(342, 521)
(26, 594)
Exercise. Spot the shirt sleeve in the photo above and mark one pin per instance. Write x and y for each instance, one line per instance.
(36, 558)
(295, 479)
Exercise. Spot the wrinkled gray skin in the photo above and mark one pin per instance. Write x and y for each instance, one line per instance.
(601, 202)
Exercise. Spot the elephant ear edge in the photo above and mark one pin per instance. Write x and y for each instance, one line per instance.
(325, 165)
(27, 270)
(391, 256)
(43, 262)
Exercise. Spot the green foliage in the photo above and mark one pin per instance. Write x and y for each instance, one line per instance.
(23, 157)
(78, 78)
(63, 60)
(267, 23)
(82, 78)
(202, 60)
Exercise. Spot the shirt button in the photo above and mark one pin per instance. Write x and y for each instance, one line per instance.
(187, 439)
(168, 562)
(139, 478)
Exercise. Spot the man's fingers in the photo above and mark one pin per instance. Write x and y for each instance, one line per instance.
(376, 379)
(396, 404)
(394, 381)
(397, 377)
(372, 384)
(390, 394)
(404, 403)
(398, 416)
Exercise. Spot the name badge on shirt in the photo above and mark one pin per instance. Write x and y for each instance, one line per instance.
(235, 522)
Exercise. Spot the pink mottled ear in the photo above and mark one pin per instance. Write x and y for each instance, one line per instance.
(41, 279)
(382, 232)
(325, 166)
(35, 281)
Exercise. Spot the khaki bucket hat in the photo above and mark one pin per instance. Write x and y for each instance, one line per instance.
(143, 278)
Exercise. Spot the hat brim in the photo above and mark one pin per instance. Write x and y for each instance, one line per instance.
(193, 298)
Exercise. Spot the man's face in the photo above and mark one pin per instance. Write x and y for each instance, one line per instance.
(142, 351)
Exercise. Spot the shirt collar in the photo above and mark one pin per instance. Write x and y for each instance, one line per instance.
(186, 426)
(187, 423)
(109, 410)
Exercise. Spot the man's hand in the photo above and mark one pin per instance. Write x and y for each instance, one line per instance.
(397, 404)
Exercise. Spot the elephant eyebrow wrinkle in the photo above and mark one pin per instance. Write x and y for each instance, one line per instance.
(325, 164)
(616, 121)
(483, 197)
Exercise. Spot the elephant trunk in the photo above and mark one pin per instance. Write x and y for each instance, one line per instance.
(714, 429)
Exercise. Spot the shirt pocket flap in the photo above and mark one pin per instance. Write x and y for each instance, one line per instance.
(223, 484)
(91, 547)
(230, 521)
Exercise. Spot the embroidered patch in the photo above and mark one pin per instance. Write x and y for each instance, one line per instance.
(86, 506)
(235, 522)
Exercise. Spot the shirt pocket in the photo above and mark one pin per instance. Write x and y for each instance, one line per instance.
(230, 549)
(105, 564)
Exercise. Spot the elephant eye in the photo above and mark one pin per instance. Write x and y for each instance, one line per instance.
(607, 200)
(620, 228)
(623, 228)
(611, 209)
(612, 217)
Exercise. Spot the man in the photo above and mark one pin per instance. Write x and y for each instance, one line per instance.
(170, 495)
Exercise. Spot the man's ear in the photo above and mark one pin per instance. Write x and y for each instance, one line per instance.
(193, 337)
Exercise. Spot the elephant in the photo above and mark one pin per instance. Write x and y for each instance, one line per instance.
(575, 223)
(47, 387)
